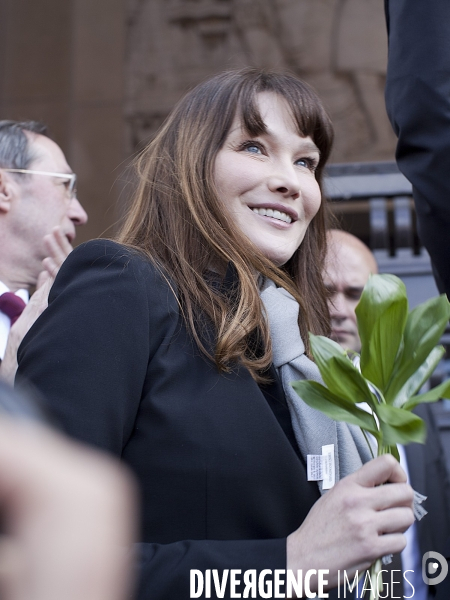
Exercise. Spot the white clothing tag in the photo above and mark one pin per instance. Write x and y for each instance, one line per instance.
(314, 463)
(320, 467)
(329, 471)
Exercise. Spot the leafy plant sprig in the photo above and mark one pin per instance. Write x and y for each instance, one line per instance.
(399, 353)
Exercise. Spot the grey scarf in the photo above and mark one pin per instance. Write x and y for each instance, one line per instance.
(312, 428)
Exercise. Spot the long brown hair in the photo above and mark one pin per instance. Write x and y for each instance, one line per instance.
(177, 219)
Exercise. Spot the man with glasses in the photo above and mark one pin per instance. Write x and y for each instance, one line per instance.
(39, 213)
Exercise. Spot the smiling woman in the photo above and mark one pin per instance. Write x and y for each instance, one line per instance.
(175, 350)
(238, 130)
(271, 176)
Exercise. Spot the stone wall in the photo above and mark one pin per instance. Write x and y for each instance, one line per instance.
(105, 73)
(338, 46)
(62, 62)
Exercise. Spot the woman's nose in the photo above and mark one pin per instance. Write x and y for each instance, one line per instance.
(284, 181)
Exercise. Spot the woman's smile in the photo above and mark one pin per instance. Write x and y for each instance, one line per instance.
(277, 212)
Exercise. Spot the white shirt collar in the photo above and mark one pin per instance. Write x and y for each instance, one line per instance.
(22, 293)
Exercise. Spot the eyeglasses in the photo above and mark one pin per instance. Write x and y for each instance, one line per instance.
(70, 183)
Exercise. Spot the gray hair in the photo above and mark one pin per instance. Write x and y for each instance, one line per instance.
(15, 150)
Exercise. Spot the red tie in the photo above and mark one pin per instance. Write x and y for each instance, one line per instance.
(11, 305)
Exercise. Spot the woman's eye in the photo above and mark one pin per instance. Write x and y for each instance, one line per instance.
(308, 163)
(252, 147)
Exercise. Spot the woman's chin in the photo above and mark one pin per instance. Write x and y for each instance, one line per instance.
(277, 256)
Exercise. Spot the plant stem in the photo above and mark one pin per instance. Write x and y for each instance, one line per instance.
(368, 442)
(376, 581)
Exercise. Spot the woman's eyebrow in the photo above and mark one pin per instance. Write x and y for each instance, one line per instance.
(309, 146)
(304, 145)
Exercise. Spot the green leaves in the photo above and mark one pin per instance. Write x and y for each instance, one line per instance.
(417, 379)
(423, 330)
(399, 426)
(339, 373)
(381, 315)
(319, 397)
(440, 391)
(398, 355)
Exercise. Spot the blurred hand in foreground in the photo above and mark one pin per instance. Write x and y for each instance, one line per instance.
(67, 515)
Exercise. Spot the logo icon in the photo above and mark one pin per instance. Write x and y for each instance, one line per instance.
(434, 568)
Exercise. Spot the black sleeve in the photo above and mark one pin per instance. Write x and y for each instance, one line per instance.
(87, 355)
(418, 105)
(88, 352)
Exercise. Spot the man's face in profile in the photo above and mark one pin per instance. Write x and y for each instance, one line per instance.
(41, 203)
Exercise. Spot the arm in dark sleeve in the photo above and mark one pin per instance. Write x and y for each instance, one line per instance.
(88, 355)
(88, 352)
(418, 105)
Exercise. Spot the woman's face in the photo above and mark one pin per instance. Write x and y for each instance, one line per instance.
(268, 182)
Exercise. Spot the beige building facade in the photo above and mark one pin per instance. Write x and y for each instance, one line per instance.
(105, 73)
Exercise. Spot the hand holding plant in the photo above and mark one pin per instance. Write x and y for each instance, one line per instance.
(399, 352)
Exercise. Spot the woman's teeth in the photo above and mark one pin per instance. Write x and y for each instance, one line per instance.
(275, 214)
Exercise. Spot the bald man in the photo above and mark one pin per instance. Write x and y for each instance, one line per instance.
(348, 266)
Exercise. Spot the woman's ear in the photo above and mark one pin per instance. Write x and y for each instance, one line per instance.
(6, 192)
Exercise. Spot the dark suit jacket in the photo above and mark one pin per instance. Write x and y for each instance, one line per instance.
(428, 475)
(418, 105)
(222, 485)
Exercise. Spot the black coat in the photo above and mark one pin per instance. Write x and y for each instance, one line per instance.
(418, 105)
(428, 475)
(222, 485)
